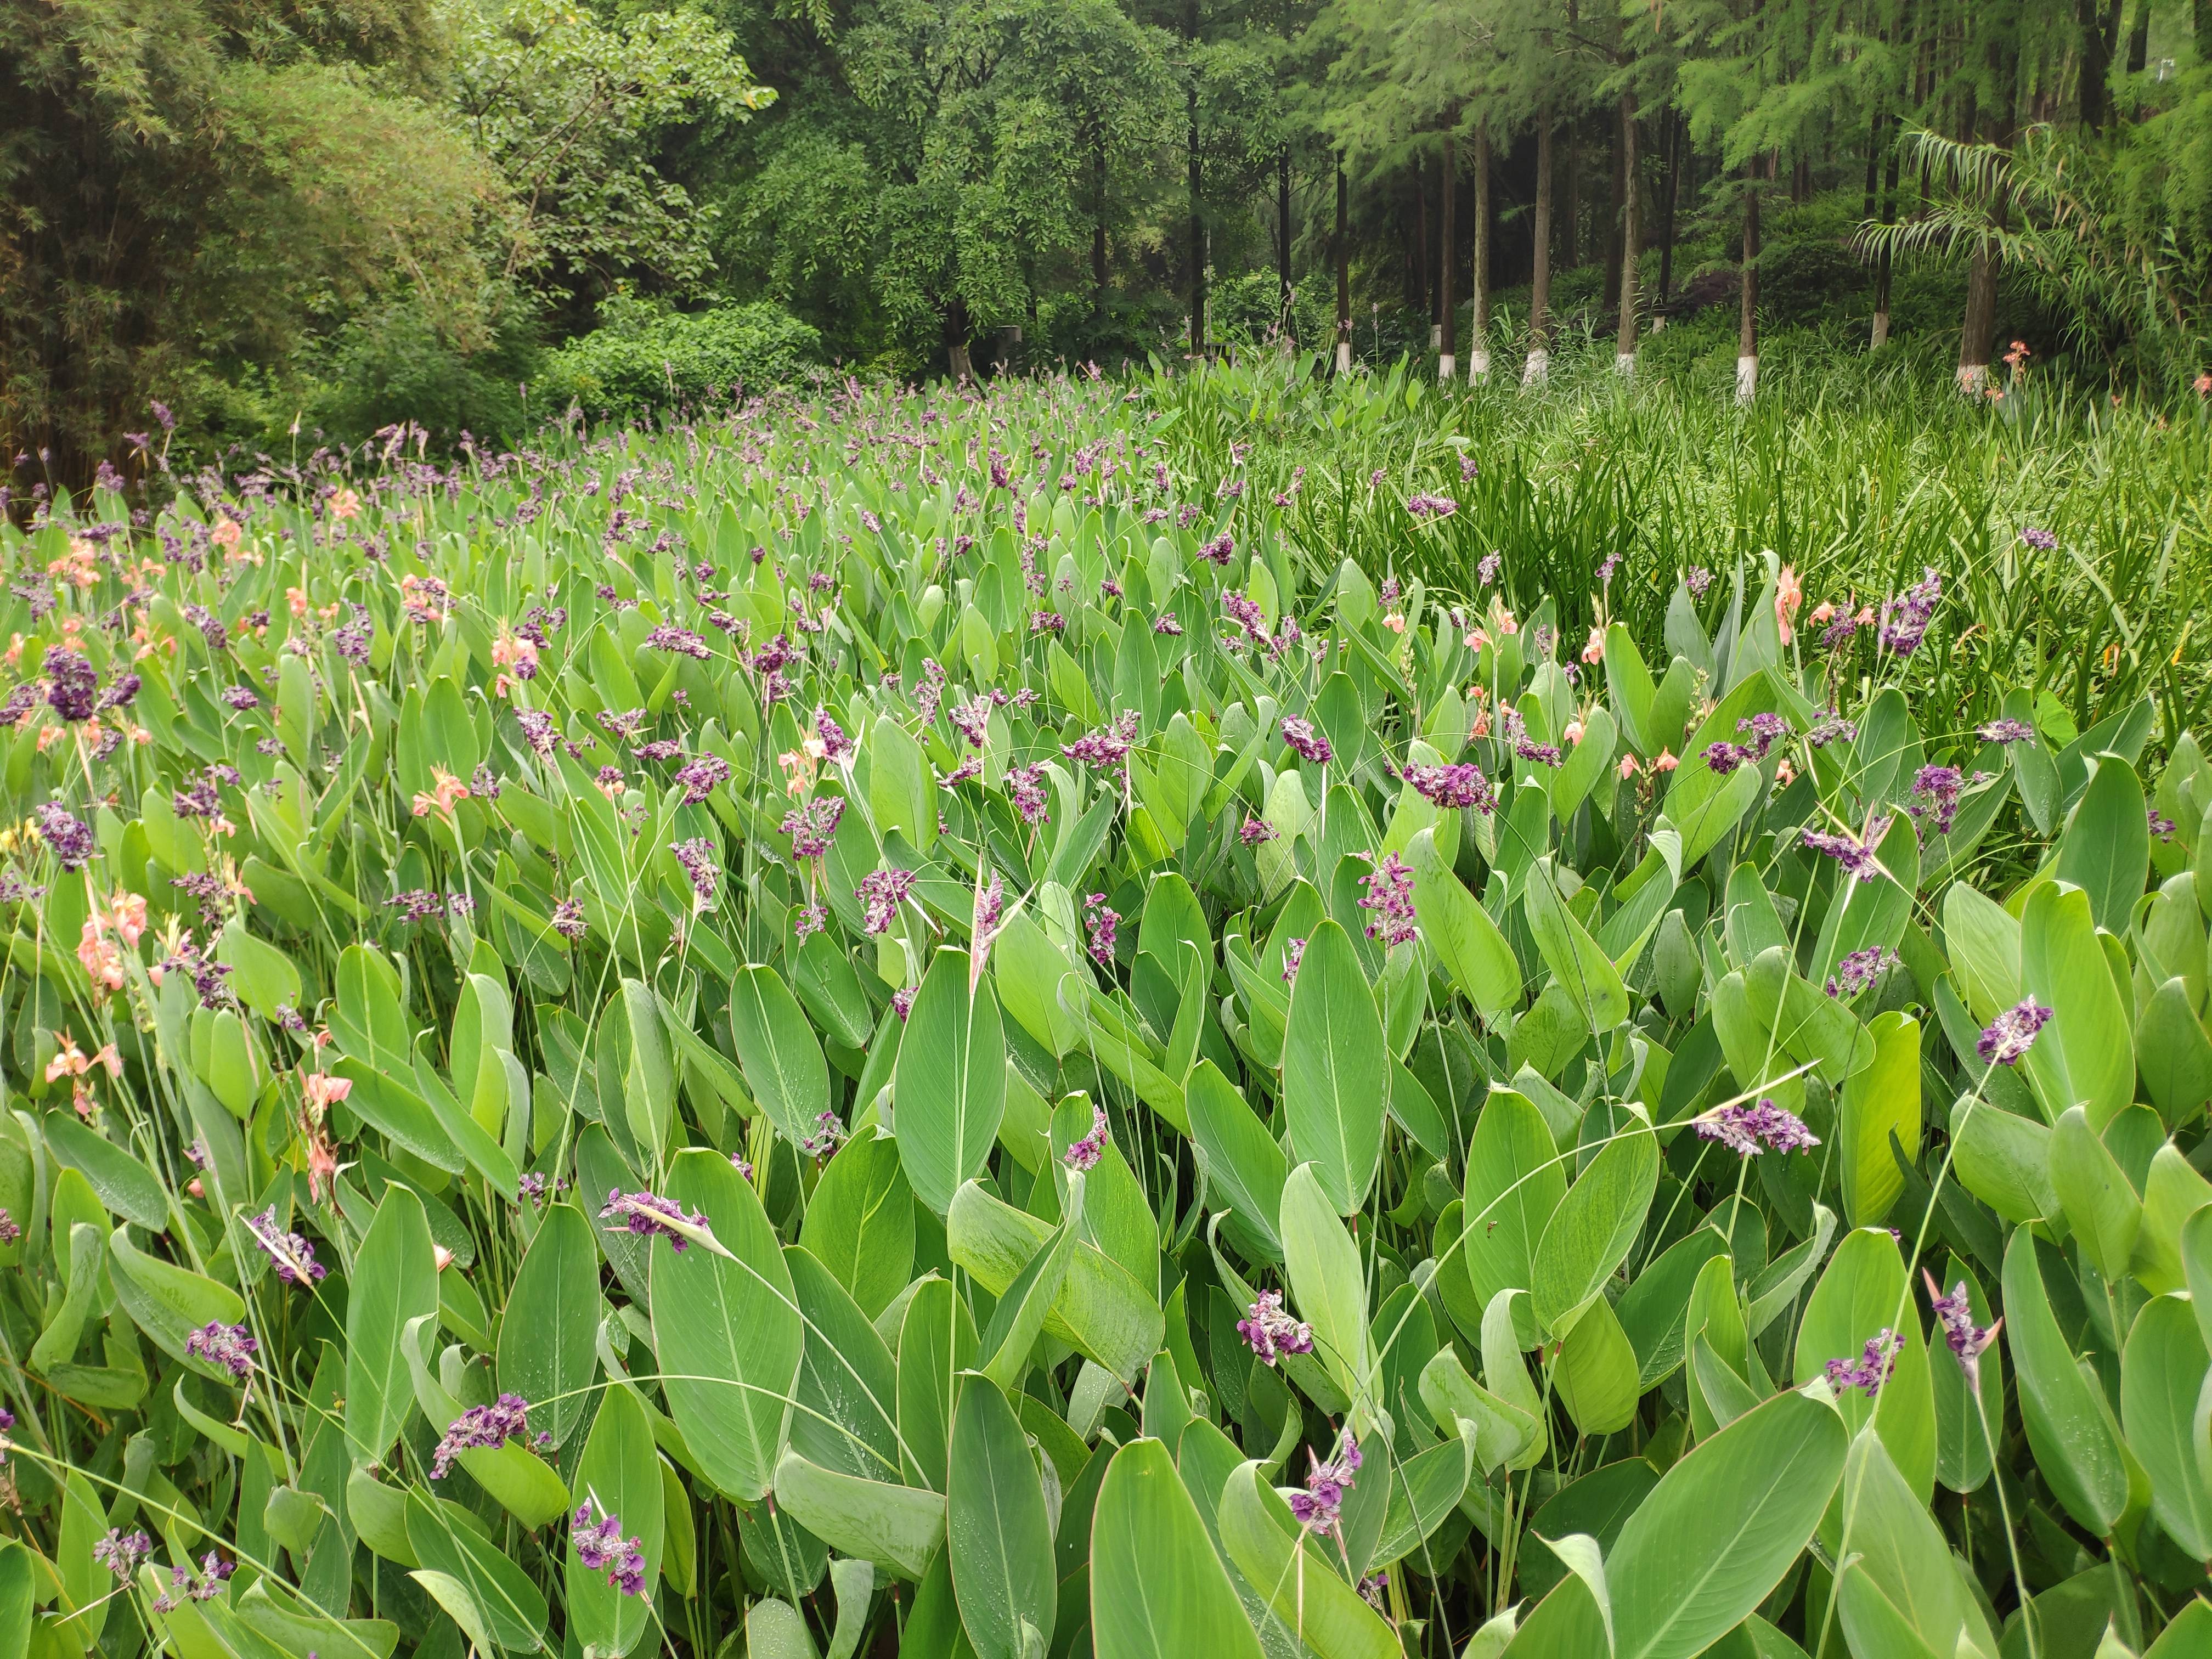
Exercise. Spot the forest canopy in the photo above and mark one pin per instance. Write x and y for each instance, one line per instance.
(267, 215)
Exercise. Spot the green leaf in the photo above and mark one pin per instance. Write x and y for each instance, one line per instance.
(997, 1529)
(779, 1052)
(1269, 1545)
(1467, 942)
(2162, 1377)
(2070, 1429)
(1594, 1227)
(1900, 1573)
(1882, 1100)
(1330, 1289)
(950, 1082)
(2105, 848)
(2083, 1057)
(1243, 1163)
(2003, 1159)
(124, 1185)
(860, 1223)
(728, 1329)
(900, 1528)
(512, 1610)
(2100, 1205)
(547, 1351)
(619, 1474)
(1336, 1083)
(1721, 1527)
(847, 1409)
(1158, 1590)
(395, 1279)
(936, 1343)
(169, 1302)
(1860, 1294)
(1102, 1311)
(1577, 962)
(1596, 1374)
(2173, 1054)
(902, 794)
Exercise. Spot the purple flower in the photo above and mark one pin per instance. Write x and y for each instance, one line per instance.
(811, 827)
(121, 1551)
(1294, 953)
(1390, 895)
(481, 1427)
(569, 919)
(1102, 919)
(1245, 613)
(537, 1187)
(1831, 727)
(1270, 1332)
(2041, 540)
(990, 908)
(1748, 1131)
(2012, 1033)
(1256, 831)
(538, 729)
(2008, 731)
(681, 640)
(1765, 730)
(701, 863)
(1463, 786)
(242, 697)
(1220, 549)
(836, 746)
(1432, 507)
(1697, 580)
(1860, 969)
(973, 718)
(1966, 1339)
(1309, 744)
(1855, 855)
(1167, 623)
(230, 1347)
(1084, 1154)
(903, 1002)
(2162, 827)
(1905, 620)
(602, 1548)
(1872, 1368)
(1320, 1506)
(648, 1216)
(1724, 757)
(1486, 568)
(295, 1257)
(1108, 749)
(701, 777)
(882, 891)
(1048, 622)
(9, 1230)
(1935, 792)
(72, 684)
(828, 1130)
(68, 837)
(1025, 788)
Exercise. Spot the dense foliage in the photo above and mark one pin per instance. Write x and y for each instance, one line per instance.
(286, 219)
(926, 1024)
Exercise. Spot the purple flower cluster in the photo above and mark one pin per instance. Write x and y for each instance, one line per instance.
(1697, 580)
(701, 777)
(481, 1428)
(1270, 1332)
(569, 919)
(1390, 895)
(811, 827)
(1936, 793)
(2007, 730)
(836, 746)
(828, 1130)
(1167, 624)
(1463, 786)
(1857, 856)
(1294, 953)
(882, 892)
(121, 1551)
(1967, 1340)
(1311, 746)
(205, 1586)
(538, 729)
(1748, 1131)
(648, 1216)
(10, 1230)
(1084, 1154)
(1048, 622)
(2162, 827)
(1101, 919)
(1025, 788)
(1320, 1507)
(1256, 831)
(973, 719)
(903, 1002)
(1220, 549)
(67, 834)
(1871, 1369)
(293, 1256)
(701, 864)
(2009, 1037)
(72, 684)
(1860, 969)
(1905, 620)
(1109, 750)
(230, 1347)
(2041, 540)
(602, 1548)
(1432, 507)
(1245, 613)
(682, 641)
(1831, 727)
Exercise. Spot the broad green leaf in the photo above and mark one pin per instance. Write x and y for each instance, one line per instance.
(2070, 1428)
(1101, 1310)
(1335, 1076)
(619, 1475)
(512, 1610)
(997, 1530)
(1158, 1590)
(1862, 1291)
(1515, 1179)
(2100, 1206)
(395, 1279)
(1900, 1571)
(1243, 1163)
(951, 1087)
(728, 1329)
(1473, 952)
(845, 1416)
(2105, 848)
(124, 1185)
(1591, 1232)
(1597, 1375)
(1882, 1100)
(1269, 1547)
(900, 1528)
(2162, 1379)
(1329, 1287)
(1577, 962)
(860, 1223)
(780, 1053)
(2083, 1056)
(1721, 1527)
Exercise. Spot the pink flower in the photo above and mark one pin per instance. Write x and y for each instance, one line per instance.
(1574, 731)
(1788, 595)
(1594, 647)
(1666, 763)
(1628, 767)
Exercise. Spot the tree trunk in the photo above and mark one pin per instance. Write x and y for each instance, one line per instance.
(1448, 189)
(1631, 241)
(1614, 188)
(2203, 18)
(1674, 145)
(1478, 346)
(2139, 39)
(956, 342)
(1747, 346)
(1978, 329)
(1882, 274)
(1098, 228)
(1344, 267)
(1539, 366)
(2096, 65)
(1283, 251)
(1422, 287)
(1874, 163)
(1570, 226)
(1197, 224)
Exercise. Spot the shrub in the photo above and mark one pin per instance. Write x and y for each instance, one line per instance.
(644, 358)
